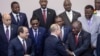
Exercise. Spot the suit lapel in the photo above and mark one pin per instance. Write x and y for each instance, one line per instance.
(13, 18)
(65, 16)
(4, 34)
(41, 16)
(11, 32)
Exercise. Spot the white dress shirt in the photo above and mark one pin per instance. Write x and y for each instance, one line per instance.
(15, 16)
(70, 15)
(35, 32)
(9, 28)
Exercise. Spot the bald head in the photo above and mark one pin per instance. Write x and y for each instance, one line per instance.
(55, 28)
(6, 19)
(67, 5)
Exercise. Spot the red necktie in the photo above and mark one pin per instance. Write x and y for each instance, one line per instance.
(44, 15)
(76, 39)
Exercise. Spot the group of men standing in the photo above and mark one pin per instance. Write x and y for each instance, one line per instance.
(68, 34)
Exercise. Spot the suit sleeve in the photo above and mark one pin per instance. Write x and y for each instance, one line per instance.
(26, 21)
(61, 49)
(11, 49)
(85, 45)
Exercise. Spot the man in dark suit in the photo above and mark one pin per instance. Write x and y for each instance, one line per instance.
(7, 32)
(79, 41)
(37, 34)
(53, 46)
(69, 15)
(21, 45)
(17, 17)
(45, 15)
(64, 29)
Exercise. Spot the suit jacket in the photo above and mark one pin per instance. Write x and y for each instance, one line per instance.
(0, 18)
(66, 19)
(23, 19)
(66, 30)
(4, 41)
(94, 28)
(16, 48)
(40, 40)
(83, 48)
(54, 47)
(50, 17)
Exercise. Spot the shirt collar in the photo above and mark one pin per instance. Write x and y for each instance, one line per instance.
(69, 11)
(54, 35)
(6, 26)
(15, 14)
(44, 9)
(35, 30)
(21, 39)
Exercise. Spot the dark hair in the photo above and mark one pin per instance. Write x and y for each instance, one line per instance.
(14, 3)
(89, 6)
(78, 22)
(59, 17)
(34, 18)
(20, 29)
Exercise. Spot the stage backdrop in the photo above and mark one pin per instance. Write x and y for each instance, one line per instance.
(28, 6)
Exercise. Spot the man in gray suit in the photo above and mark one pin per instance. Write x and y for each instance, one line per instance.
(69, 15)
(91, 24)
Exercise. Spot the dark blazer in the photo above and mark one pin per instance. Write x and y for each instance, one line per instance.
(0, 18)
(16, 49)
(54, 47)
(66, 30)
(4, 41)
(41, 38)
(98, 46)
(23, 19)
(66, 19)
(51, 14)
(83, 48)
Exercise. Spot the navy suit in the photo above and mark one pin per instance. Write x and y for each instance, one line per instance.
(83, 48)
(66, 30)
(4, 41)
(98, 46)
(23, 20)
(40, 40)
(49, 20)
(54, 47)
(16, 48)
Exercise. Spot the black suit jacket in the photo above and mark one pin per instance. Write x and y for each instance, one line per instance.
(16, 49)
(50, 17)
(4, 41)
(53, 47)
(0, 18)
(66, 19)
(98, 46)
(23, 19)
(83, 48)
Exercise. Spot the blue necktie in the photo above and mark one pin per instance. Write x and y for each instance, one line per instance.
(36, 36)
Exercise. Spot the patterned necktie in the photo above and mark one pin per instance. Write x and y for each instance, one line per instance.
(7, 33)
(17, 18)
(44, 15)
